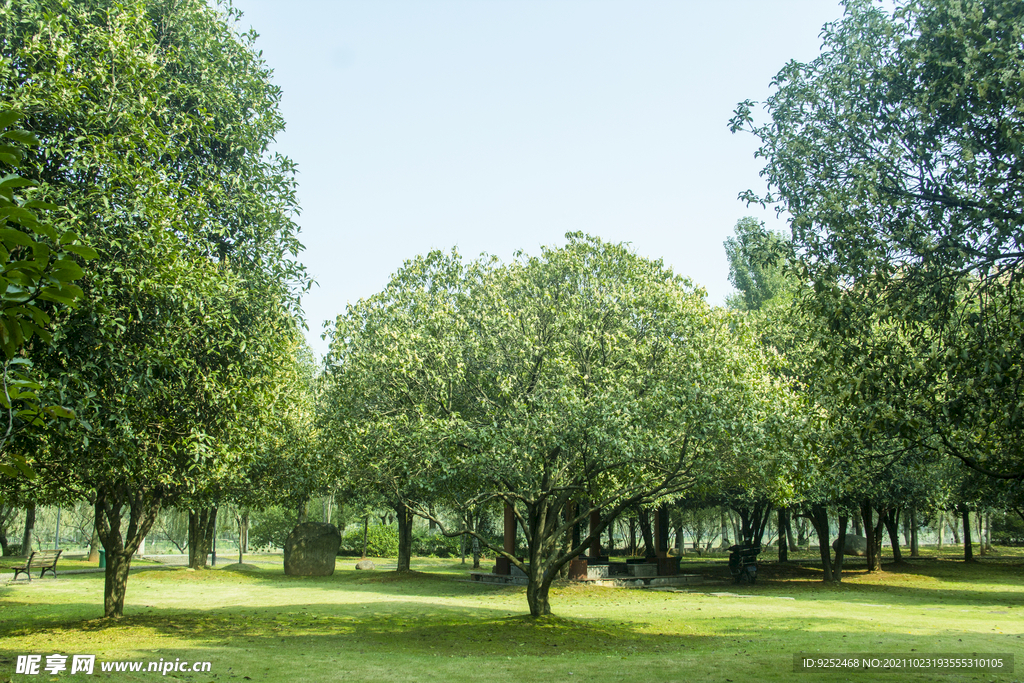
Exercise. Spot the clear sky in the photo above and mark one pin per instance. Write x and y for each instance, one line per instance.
(493, 126)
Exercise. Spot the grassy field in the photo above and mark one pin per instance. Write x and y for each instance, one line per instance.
(254, 623)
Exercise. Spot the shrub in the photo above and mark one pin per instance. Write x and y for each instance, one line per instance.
(381, 541)
(1007, 529)
(436, 545)
(270, 527)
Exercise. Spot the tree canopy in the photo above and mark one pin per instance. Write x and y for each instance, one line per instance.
(154, 120)
(898, 153)
(586, 379)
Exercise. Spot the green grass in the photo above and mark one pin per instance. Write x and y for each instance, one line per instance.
(257, 624)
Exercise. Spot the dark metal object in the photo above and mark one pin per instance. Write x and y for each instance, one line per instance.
(743, 562)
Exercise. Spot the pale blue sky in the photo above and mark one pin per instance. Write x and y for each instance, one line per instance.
(494, 126)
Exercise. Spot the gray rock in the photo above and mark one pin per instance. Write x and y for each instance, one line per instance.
(365, 564)
(311, 549)
(855, 545)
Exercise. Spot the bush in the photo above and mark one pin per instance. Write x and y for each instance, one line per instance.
(269, 528)
(13, 549)
(381, 541)
(1007, 529)
(436, 545)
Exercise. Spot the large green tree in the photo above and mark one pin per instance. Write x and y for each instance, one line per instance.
(584, 380)
(37, 269)
(898, 154)
(154, 120)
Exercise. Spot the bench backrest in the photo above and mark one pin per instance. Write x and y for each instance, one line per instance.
(39, 558)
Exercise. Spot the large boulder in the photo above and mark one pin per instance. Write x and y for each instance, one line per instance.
(855, 545)
(365, 564)
(311, 549)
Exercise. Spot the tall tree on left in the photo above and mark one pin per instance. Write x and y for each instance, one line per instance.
(37, 271)
(154, 119)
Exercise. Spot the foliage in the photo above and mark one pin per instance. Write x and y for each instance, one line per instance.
(437, 545)
(37, 271)
(161, 160)
(269, 527)
(757, 265)
(898, 154)
(583, 379)
(381, 541)
(1007, 529)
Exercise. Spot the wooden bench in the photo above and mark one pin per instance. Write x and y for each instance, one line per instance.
(44, 560)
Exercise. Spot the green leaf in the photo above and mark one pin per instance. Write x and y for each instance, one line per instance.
(9, 116)
(22, 136)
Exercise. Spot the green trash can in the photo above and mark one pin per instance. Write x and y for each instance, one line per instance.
(103, 558)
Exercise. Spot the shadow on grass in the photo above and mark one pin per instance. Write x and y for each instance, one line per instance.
(944, 581)
(391, 627)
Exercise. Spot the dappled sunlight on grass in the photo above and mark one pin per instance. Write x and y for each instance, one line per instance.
(382, 625)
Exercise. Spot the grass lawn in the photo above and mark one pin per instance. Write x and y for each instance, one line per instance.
(256, 624)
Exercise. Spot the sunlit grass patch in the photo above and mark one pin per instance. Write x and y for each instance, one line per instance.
(379, 625)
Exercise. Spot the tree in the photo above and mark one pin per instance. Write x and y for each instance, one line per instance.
(585, 380)
(758, 260)
(898, 154)
(392, 385)
(160, 157)
(38, 269)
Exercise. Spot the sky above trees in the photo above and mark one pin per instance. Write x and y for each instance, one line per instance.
(497, 126)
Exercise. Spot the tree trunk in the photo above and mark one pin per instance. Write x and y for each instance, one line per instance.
(404, 514)
(863, 527)
(243, 539)
(941, 526)
(143, 509)
(966, 516)
(783, 541)
(819, 518)
(303, 512)
(537, 593)
(366, 529)
(724, 522)
(94, 546)
(979, 523)
(242, 518)
(632, 536)
(574, 540)
(478, 521)
(801, 533)
(837, 566)
(892, 520)
(906, 527)
(115, 584)
(30, 526)
(873, 535)
(754, 520)
(988, 531)
(467, 522)
(645, 529)
(201, 524)
(915, 550)
(789, 531)
(956, 532)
